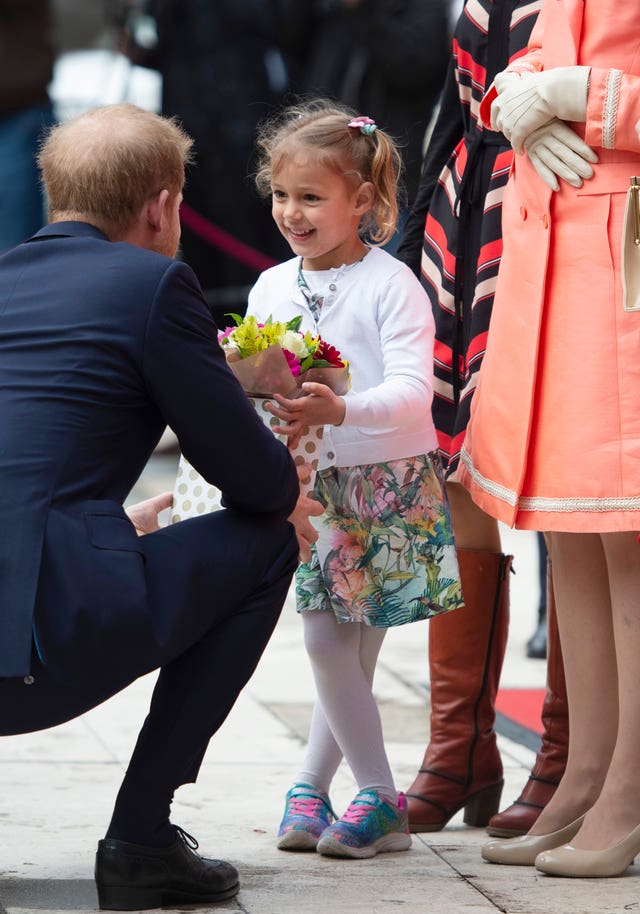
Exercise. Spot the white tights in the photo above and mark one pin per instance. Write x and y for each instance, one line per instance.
(345, 719)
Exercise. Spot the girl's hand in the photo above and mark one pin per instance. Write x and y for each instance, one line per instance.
(318, 405)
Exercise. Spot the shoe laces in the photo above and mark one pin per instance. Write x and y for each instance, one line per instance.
(305, 806)
(186, 838)
(359, 808)
(308, 804)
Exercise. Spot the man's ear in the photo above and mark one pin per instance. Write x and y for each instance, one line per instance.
(157, 211)
(364, 198)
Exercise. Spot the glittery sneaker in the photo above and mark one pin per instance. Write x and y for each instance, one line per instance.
(307, 813)
(371, 825)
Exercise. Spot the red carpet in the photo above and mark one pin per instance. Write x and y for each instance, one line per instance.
(522, 706)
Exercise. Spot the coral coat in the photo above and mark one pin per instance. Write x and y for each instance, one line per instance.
(554, 437)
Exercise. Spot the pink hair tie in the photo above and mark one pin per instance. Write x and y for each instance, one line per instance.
(364, 124)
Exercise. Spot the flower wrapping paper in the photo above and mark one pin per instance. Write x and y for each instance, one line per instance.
(261, 375)
(193, 495)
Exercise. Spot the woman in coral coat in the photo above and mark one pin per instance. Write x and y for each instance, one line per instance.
(554, 438)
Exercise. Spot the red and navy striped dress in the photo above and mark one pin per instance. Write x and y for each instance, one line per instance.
(460, 195)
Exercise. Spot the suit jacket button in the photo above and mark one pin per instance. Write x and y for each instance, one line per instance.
(29, 680)
(332, 287)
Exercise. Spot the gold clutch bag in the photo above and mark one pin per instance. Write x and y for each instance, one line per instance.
(631, 249)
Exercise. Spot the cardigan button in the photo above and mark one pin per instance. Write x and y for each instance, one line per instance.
(330, 455)
(545, 220)
(523, 213)
(332, 287)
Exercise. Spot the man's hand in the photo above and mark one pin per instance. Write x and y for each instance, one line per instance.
(318, 405)
(305, 532)
(556, 149)
(144, 515)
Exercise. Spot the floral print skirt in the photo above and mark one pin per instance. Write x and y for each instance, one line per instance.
(385, 553)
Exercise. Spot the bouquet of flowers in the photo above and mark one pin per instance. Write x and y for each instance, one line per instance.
(274, 357)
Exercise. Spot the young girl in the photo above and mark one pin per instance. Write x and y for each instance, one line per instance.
(385, 554)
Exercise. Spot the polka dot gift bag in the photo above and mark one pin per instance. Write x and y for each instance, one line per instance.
(274, 357)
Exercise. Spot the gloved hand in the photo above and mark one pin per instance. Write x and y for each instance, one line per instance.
(556, 149)
(527, 101)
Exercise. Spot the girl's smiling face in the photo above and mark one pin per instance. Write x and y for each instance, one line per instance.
(318, 211)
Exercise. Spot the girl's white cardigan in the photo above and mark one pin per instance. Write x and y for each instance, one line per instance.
(379, 317)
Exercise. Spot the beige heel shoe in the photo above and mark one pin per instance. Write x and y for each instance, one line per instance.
(572, 861)
(524, 850)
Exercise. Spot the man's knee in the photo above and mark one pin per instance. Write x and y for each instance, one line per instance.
(226, 549)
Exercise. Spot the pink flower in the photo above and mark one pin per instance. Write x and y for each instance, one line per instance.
(347, 577)
(384, 498)
(292, 362)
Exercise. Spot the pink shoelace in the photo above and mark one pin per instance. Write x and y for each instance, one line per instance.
(305, 806)
(358, 810)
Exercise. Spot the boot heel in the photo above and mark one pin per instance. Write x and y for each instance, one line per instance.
(483, 805)
(128, 898)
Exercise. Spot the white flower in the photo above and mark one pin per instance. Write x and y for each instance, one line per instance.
(293, 342)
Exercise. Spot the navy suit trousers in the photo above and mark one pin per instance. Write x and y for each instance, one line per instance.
(216, 586)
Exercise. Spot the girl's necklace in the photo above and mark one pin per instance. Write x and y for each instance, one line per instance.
(315, 300)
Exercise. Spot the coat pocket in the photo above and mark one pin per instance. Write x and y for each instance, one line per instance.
(112, 531)
(92, 615)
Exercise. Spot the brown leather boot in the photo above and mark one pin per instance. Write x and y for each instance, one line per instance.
(552, 755)
(462, 766)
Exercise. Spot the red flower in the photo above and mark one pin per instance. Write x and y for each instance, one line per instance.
(328, 353)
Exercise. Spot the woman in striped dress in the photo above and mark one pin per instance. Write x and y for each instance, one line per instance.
(457, 254)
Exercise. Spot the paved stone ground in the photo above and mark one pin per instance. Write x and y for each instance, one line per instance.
(58, 788)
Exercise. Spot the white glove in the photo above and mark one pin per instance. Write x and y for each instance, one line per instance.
(527, 101)
(556, 149)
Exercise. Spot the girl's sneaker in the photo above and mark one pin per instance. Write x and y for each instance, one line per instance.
(307, 813)
(371, 825)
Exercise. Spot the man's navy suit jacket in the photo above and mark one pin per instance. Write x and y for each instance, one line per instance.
(101, 346)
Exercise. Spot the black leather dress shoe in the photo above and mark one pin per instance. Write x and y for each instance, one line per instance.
(133, 877)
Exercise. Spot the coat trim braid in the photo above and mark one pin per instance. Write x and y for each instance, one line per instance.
(560, 505)
(610, 108)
